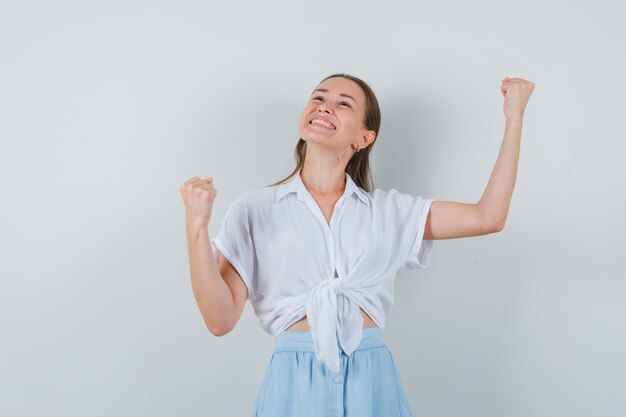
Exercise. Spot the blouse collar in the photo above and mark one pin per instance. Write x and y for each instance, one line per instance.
(295, 185)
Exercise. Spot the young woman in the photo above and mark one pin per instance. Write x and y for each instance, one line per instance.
(317, 254)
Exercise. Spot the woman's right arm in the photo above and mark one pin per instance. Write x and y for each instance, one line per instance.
(218, 289)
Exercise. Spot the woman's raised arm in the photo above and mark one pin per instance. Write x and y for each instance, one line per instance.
(218, 289)
(451, 219)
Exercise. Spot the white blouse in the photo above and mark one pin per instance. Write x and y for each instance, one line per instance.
(286, 254)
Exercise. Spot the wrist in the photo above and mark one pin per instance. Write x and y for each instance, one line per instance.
(514, 120)
(195, 228)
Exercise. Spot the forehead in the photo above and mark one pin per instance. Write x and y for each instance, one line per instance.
(339, 85)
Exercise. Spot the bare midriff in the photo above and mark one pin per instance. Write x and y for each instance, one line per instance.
(303, 323)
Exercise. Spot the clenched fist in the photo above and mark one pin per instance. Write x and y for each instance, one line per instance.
(516, 92)
(198, 195)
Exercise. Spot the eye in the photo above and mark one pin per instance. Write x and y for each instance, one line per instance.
(317, 98)
(345, 103)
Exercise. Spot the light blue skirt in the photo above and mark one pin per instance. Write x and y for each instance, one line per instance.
(296, 384)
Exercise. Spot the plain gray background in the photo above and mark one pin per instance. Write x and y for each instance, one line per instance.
(107, 107)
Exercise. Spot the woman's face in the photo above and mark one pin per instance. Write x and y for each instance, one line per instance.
(334, 114)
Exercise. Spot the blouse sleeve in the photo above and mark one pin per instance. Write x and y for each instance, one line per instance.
(411, 222)
(419, 255)
(234, 241)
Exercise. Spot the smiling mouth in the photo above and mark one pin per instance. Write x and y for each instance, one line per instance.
(322, 123)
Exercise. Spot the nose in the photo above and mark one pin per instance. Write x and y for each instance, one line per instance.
(323, 107)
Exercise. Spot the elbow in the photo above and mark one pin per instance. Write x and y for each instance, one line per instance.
(218, 329)
(492, 221)
(498, 226)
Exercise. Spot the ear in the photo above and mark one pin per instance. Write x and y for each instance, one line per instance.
(368, 138)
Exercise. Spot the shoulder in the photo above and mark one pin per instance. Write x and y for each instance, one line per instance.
(394, 205)
(392, 197)
(251, 201)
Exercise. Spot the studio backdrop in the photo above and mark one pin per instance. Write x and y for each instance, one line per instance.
(107, 107)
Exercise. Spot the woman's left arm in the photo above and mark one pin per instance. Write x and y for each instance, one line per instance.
(451, 219)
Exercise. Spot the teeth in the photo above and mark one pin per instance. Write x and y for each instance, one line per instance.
(323, 123)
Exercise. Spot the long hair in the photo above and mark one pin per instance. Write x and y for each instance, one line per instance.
(359, 164)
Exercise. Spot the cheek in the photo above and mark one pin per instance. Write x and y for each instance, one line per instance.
(302, 118)
(351, 124)
(303, 121)
(307, 110)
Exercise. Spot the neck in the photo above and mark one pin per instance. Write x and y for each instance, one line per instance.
(323, 178)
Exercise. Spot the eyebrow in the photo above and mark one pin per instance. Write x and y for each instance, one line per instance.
(341, 94)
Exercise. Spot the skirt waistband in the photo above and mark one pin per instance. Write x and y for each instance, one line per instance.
(302, 341)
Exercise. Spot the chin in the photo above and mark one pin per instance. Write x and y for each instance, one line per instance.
(317, 136)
